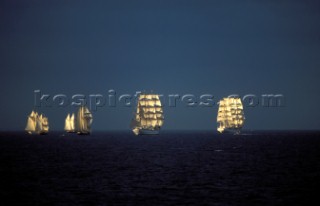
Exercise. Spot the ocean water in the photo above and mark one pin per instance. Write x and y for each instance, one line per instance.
(173, 168)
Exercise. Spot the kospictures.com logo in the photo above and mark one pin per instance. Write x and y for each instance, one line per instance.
(112, 99)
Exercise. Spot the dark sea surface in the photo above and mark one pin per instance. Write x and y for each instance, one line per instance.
(173, 168)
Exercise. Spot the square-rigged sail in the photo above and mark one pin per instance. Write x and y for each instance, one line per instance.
(149, 115)
(230, 115)
(84, 120)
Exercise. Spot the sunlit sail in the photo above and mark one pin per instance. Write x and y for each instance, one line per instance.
(230, 115)
(84, 121)
(148, 118)
(69, 125)
(37, 124)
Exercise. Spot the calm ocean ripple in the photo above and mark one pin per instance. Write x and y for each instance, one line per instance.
(174, 168)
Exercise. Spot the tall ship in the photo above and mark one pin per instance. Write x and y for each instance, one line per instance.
(69, 125)
(230, 115)
(37, 124)
(148, 118)
(83, 121)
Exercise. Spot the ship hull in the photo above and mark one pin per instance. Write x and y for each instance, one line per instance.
(37, 133)
(71, 131)
(148, 132)
(231, 131)
(83, 133)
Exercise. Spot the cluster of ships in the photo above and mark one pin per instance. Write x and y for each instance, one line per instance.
(80, 124)
(147, 120)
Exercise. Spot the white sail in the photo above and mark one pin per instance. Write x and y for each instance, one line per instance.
(67, 123)
(148, 116)
(31, 122)
(84, 120)
(32, 114)
(31, 126)
(230, 114)
(88, 117)
(37, 123)
(45, 125)
(72, 123)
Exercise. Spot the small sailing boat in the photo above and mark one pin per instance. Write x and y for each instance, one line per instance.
(37, 124)
(84, 121)
(230, 115)
(69, 125)
(148, 118)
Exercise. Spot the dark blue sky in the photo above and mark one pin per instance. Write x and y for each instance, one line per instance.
(198, 46)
